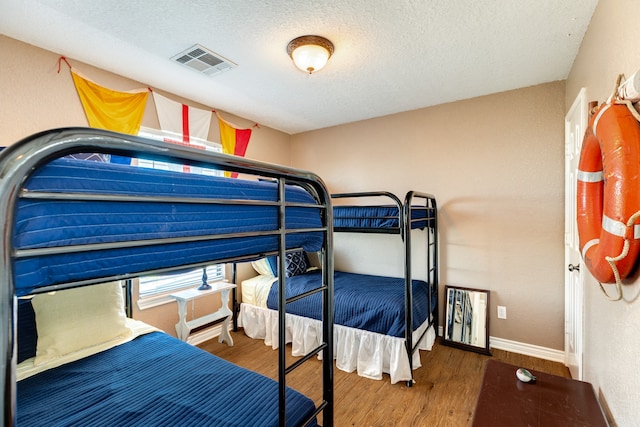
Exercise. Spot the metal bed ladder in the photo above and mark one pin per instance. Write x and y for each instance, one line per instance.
(432, 266)
(326, 347)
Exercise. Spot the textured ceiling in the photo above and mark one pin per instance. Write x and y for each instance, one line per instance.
(390, 56)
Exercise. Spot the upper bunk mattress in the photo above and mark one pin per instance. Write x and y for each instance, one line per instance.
(376, 217)
(46, 223)
(155, 380)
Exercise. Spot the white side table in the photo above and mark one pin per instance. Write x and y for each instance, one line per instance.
(184, 327)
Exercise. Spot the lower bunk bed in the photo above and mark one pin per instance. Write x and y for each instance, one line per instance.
(369, 329)
(381, 323)
(72, 227)
(141, 377)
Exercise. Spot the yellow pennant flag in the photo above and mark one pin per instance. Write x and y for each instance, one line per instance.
(109, 109)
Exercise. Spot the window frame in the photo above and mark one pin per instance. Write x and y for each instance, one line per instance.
(181, 281)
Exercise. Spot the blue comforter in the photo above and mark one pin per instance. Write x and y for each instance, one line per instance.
(154, 380)
(371, 303)
(378, 217)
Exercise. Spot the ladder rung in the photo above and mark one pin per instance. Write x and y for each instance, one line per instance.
(305, 358)
(320, 408)
(306, 294)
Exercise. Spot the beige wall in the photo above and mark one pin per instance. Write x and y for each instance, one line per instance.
(495, 164)
(612, 329)
(35, 97)
(475, 156)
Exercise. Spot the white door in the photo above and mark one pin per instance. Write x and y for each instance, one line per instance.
(575, 124)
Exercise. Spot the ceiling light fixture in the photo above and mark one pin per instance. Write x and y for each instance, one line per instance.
(310, 53)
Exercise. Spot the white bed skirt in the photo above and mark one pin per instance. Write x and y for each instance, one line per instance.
(370, 354)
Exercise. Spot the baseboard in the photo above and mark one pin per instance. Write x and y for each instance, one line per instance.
(206, 334)
(527, 349)
(494, 342)
(523, 348)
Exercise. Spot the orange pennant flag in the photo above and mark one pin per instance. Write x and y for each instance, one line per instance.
(234, 141)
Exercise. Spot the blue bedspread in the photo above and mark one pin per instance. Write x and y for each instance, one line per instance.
(371, 303)
(376, 217)
(154, 380)
(50, 223)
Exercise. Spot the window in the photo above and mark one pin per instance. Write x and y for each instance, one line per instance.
(154, 290)
(177, 139)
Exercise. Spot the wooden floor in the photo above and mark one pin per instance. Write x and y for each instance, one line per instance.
(444, 393)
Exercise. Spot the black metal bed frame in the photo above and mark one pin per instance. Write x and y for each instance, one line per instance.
(413, 200)
(20, 160)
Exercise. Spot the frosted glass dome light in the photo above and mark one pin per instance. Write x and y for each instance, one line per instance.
(310, 53)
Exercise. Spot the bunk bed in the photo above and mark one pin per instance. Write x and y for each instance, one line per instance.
(72, 228)
(381, 323)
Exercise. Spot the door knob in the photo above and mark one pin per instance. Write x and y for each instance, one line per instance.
(572, 267)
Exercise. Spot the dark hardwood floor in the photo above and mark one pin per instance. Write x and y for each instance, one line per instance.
(444, 393)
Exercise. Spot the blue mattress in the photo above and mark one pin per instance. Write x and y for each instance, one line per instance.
(371, 303)
(151, 381)
(376, 217)
(55, 223)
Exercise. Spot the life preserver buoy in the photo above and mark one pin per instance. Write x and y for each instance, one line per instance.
(608, 193)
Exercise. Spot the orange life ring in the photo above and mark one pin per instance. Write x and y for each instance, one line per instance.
(608, 193)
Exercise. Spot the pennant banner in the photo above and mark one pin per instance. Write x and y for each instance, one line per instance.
(182, 119)
(234, 141)
(109, 109)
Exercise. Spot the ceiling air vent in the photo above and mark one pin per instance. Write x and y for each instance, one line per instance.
(203, 60)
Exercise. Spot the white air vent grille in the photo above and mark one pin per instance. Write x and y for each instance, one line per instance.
(203, 60)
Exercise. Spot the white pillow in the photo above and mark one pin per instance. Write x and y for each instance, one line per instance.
(78, 318)
(262, 266)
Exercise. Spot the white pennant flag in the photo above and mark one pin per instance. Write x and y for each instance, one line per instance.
(181, 119)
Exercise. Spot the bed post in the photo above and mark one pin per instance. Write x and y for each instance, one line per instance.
(282, 305)
(434, 268)
(408, 294)
(13, 168)
(328, 315)
(234, 296)
(8, 324)
(128, 297)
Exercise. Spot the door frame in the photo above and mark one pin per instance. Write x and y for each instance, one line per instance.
(576, 121)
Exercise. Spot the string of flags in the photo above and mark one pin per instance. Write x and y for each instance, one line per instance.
(122, 111)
